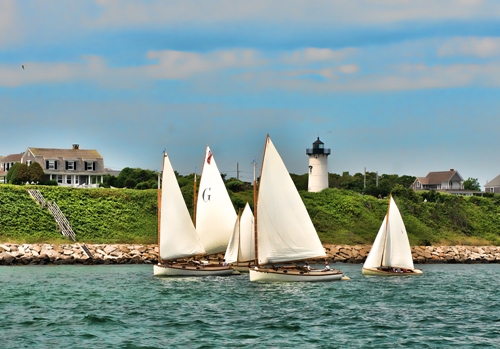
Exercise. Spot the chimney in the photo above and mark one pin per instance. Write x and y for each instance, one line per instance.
(451, 170)
(76, 146)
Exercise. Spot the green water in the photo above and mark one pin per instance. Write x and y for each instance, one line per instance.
(126, 307)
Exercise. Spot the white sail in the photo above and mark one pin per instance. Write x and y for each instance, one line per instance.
(215, 214)
(391, 247)
(285, 230)
(178, 237)
(241, 247)
(374, 259)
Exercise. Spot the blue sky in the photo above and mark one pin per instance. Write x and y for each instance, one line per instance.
(403, 87)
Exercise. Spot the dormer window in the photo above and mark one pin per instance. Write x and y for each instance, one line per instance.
(70, 165)
(51, 164)
(89, 166)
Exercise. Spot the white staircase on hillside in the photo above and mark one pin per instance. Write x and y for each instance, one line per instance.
(61, 220)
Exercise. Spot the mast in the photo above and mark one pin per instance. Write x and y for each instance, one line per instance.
(386, 229)
(239, 237)
(159, 206)
(255, 199)
(194, 199)
(256, 261)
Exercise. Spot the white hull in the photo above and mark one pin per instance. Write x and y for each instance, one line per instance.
(184, 270)
(270, 275)
(378, 272)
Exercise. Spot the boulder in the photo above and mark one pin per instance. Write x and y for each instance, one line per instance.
(7, 258)
(109, 248)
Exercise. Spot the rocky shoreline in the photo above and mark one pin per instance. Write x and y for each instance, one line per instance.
(43, 254)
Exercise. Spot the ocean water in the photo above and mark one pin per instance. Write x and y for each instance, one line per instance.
(451, 306)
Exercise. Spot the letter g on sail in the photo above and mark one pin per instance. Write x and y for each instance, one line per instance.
(206, 194)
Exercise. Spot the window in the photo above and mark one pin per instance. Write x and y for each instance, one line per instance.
(89, 166)
(59, 179)
(28, 163)
(51, 164)
(68, 179)
(70, 165)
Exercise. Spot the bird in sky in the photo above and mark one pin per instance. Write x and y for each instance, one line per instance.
(22, 66)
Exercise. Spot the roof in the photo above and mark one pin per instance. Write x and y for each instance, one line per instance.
(12, 158)
(318, 141)
(66, 153)
(438, 177)
(495, 182)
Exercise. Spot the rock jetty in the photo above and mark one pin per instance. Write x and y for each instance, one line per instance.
(421, 254)
(40, 254)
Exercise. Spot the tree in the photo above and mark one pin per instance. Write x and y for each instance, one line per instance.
(472, 184)
(11, 171)
(36, 174)
(20, 174)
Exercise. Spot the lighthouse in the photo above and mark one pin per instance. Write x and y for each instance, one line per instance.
(318, 166)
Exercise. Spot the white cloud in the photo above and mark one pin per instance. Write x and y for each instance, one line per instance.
(471, 46)
(180, 65)
(129, 13)
(310, 69)
(13, 75)
(9, 28)
(312, 54)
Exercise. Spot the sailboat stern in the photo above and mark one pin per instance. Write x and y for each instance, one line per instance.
(391, 272)
(167, 270)
(293, 275)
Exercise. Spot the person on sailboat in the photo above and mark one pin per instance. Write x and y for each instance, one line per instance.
(327, 267)
(307, 267)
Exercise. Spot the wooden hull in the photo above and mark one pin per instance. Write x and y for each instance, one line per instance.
(166, 270)
(293, 275)
(378, 272)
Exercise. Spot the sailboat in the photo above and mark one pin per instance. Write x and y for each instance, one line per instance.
(241, 248)
(284, 231)
(391, 254)
(177, 236)
(215, 214)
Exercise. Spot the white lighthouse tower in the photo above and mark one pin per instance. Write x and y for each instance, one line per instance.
(318, 166)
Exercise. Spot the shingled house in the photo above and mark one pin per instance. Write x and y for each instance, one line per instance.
(441, 180)
(69, 167)
(6, 162)
(493, 186)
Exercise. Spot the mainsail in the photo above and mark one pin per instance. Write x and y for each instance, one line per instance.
(215, 214)
(241, 247)
(178, 237)
(391, 247)
(285, 230)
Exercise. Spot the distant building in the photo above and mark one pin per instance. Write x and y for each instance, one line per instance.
(493, 186)
(442, 180)
(73, 167)
(69, 167)
(318, 166)
(3, 174)
(445, 181)
(8, 161)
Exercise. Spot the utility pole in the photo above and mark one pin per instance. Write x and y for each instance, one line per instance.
(364, 184)
(376, 179)
(238, 170)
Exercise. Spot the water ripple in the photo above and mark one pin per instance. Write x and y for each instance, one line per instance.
(126, 307)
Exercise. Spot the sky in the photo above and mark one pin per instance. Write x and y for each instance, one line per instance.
(394, 86)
